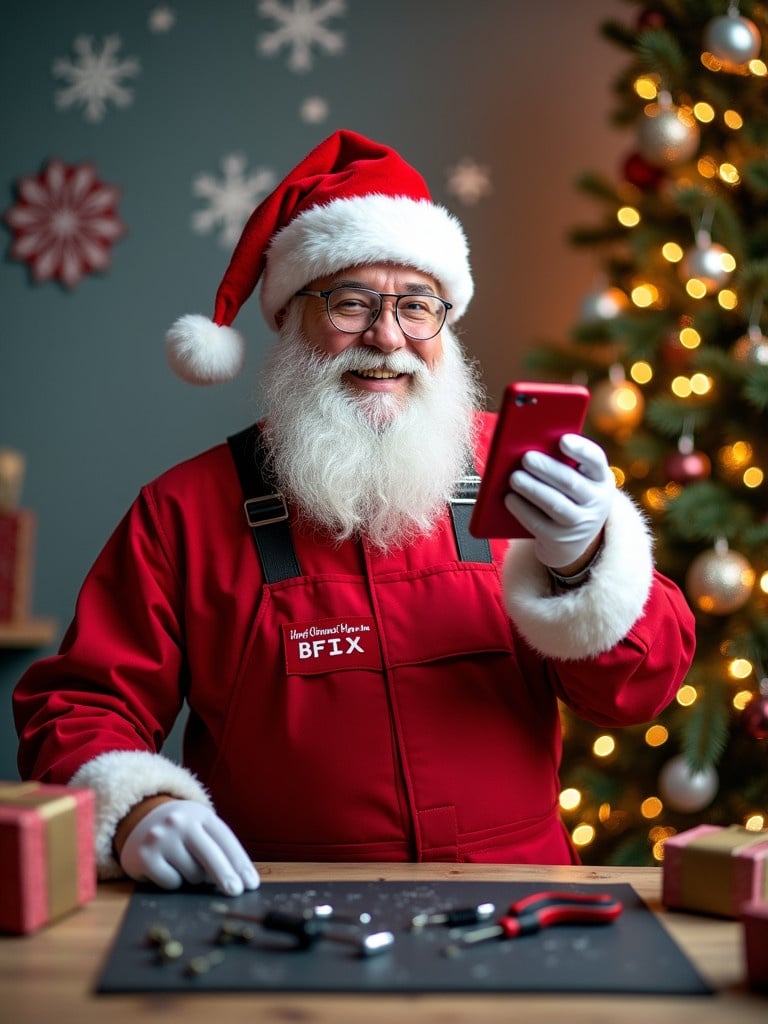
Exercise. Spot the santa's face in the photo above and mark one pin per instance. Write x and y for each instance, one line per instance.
(367, 432)
(384, 343)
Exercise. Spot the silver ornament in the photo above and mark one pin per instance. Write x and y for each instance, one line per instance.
(719, 581)
(732, 39)
(603, 304)
(684, 789)
(667, 136)
(705, 262)
(751, 348)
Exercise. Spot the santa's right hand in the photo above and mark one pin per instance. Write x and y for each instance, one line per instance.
(185, 841)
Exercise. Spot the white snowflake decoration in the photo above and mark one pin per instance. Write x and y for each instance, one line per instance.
(313, 110)
(300, 26)
(232, 198)
(161, 19)
(95, 77)
(469, 182)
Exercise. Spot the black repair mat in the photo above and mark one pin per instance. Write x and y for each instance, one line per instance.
(633, 954)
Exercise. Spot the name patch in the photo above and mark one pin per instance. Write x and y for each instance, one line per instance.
(331, 645)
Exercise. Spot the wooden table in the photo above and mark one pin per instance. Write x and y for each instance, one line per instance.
(50, 976)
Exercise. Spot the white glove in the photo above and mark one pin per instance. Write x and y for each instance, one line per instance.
(182, 840)
(564, 508)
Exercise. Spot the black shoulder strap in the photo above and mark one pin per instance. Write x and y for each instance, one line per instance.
(267, 514)
(471, 549)
(265, 509)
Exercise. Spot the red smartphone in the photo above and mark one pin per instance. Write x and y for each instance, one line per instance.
(532, 415)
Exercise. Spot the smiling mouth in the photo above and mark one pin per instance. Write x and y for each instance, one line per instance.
(376, 374)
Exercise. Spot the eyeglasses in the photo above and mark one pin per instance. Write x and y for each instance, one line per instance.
(353, 310)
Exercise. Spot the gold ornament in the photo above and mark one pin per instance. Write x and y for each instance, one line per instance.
(720, 581)
(667, 135)
(616, 406)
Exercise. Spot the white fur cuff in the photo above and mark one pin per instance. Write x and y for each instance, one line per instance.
(594, 618)
(123, 778)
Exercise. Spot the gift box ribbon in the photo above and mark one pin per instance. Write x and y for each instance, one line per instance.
(707, 865)
(59, 814)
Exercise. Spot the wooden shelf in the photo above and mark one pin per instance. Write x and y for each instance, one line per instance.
(29, 633)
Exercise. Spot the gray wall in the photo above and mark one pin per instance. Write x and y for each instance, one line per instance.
(521, 88)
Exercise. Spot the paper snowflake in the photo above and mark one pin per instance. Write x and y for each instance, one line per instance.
(301, 25)
(232, 198)
(64, 222)
(95, 77)
(469, 182)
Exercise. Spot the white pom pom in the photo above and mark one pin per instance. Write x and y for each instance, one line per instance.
(201, 352)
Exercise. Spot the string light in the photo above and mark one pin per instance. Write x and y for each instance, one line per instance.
(740, 668)
(755, 822)
(733, 119)
(583, 834)
(628, 216)
(656, 735)
(646, 87)
(764, 582)
(729, 174)
(672, 252)
(644, 295)
(706, 166)
(641, 372)
(703, 112)
(690, 337)
(570, 799)
(686, 695)
(727, 298)
(651, 807)
(741, 699)
(753, 477)
(604, 746)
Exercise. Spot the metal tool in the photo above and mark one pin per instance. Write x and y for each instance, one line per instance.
(307, 927)
(455, 917)
(540, 910)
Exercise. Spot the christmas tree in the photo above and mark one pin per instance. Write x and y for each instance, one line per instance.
(671, 343)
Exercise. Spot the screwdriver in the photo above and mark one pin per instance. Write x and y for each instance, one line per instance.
(454, 917)
(540, 910)
(306, 927)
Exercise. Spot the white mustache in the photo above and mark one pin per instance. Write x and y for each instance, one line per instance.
(361, 359)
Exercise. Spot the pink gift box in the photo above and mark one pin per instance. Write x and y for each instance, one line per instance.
(47, 857)
(755, 918)
(715, 870)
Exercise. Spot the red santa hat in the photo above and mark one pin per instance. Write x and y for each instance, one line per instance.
(351, 201)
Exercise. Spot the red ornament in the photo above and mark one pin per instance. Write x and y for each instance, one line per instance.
(637, 171)
(651, 19)
(676, 356)
(687, 467)
(754, 718)
(64, 222)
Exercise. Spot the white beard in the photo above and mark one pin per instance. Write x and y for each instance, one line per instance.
(377, 465)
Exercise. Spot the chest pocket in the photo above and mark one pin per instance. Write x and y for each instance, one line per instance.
(266, 511)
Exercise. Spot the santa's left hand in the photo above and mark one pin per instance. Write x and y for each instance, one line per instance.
(564, 508)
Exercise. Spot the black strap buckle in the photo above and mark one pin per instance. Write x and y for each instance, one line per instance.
(465, 490)
(271, 508)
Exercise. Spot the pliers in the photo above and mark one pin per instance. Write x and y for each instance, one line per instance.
(539, 910)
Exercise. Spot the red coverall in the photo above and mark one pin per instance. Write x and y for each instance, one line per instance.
(382, 706)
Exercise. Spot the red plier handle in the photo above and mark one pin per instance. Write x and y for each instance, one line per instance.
(545, 908)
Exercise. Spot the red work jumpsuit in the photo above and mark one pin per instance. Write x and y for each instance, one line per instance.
(381, 706)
